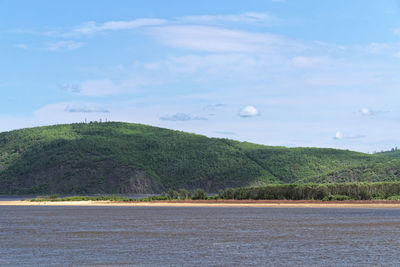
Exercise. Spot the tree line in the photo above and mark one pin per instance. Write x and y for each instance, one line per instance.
(312, 191)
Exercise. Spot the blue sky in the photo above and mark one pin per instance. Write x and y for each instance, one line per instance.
(275, 72)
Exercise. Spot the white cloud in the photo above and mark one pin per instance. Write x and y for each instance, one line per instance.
(249, 111)
(340, 136)
(396, 31)
(63, 45)
(366, 112)
(369, 112)
(92, 27)
(247, 17)
(216, 39)
(181, 117)
(397, 55)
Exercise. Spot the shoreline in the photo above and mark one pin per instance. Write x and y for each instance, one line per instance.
(218, 203)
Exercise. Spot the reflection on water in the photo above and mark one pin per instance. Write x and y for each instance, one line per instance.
(148, 236)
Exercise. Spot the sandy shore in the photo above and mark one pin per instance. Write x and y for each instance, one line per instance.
(219, 203)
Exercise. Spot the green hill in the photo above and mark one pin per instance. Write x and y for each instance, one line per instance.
(393, 153)
(118, 157)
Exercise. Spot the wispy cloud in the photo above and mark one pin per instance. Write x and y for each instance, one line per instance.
(82, 108)
(309, 62)
(22, 46)
(69, 112)
(396, 31)
(340, 136)
(64, 45)
(216, 39)
(212, 107)
(73, 88)
(370, 112)
(376, 48)
(97, 88)
(249, 111)
(247, 17)
(92, 27)
(367, 112)
(181, 117)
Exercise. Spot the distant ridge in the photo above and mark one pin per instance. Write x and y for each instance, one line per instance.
(116, 157)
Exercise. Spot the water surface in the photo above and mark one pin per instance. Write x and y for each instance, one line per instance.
(149, 236)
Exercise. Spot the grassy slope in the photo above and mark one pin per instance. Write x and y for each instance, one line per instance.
(132, 158)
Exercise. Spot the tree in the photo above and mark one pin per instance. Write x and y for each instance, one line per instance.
(172, 194)
(199, 194)
(183, 194)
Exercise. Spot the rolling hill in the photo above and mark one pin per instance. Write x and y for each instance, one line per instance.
(117, 157)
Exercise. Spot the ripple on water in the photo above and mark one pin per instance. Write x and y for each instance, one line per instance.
(198, 236)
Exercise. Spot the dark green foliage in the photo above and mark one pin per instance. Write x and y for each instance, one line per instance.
(172, 194)
(324, 192)
(332, 191)
(183, 194)
(110, 158)
(50, 197)
(154, 198)
(118, 158)
(393, 153)
(199, 194)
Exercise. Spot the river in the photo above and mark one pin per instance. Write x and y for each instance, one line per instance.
(212, 236)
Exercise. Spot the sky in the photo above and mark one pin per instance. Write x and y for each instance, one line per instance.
(296, 73)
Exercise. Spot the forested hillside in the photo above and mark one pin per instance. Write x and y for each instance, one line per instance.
(118, 157)
(393, 153)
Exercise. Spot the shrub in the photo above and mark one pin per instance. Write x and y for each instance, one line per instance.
(183, 194)
(394, 197)
(172, 194)
(199, 194)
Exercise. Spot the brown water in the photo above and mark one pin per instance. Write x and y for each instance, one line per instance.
(142, 236)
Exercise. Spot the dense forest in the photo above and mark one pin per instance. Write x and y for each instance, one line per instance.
(116, 157)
